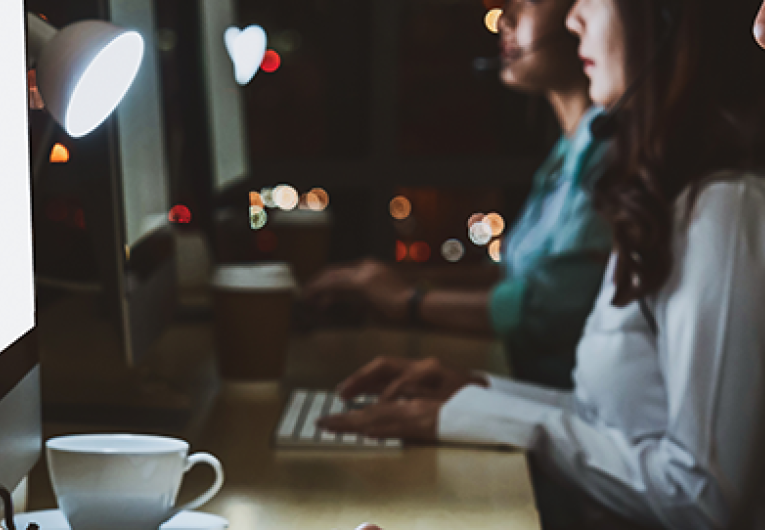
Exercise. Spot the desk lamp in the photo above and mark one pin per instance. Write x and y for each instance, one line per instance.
(83, 70)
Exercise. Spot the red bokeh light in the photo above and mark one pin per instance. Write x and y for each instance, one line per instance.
(271, 62)
(180, 214)
(493, 4)
(420, 251)
(266, 241)
(79, 218)
(401, 251)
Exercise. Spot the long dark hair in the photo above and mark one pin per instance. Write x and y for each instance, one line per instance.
(697, 113)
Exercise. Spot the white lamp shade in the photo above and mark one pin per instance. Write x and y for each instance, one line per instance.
(84, 72)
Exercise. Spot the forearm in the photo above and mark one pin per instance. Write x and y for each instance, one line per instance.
(459, 310)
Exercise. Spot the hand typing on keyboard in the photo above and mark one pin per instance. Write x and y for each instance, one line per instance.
(415, 419)
(394, 378)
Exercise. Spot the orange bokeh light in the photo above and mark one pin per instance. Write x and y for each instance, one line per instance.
(400, 208)
(256, 199)
(271, 62)
(496, 222)
(59, 154)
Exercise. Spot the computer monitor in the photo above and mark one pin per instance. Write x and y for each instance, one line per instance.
(20, 424)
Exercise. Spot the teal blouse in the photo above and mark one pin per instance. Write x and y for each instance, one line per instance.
(554, 259)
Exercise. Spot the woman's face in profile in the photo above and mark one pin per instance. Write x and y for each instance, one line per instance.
(759, 26)
(602, 48)
(536, 51)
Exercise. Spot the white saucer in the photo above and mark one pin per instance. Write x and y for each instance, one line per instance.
(55, 520)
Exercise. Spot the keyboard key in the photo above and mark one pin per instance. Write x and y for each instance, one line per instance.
(371, 442)
(327, 436)
(392, 442)
(287, 427)
(350, 439)
(314, 413)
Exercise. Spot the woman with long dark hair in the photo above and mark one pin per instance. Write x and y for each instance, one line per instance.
(670, 376)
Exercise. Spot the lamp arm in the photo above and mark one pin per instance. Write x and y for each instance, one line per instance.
(39, 33)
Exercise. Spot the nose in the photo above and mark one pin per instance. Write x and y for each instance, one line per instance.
(759, 26)
(574, 20)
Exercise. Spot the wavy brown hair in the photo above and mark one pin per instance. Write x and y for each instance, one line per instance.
(696, 113)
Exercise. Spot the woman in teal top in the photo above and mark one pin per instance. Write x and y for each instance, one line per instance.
(556, 254)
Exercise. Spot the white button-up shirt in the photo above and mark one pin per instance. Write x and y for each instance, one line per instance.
(659, 427)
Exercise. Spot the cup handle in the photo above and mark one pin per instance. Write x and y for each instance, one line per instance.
(203, 458)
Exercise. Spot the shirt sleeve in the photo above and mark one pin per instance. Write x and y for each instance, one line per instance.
(711, 343)
(559, 290)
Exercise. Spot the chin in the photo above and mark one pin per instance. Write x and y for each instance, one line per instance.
(603, 96)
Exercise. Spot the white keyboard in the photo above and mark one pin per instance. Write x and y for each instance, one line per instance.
(297, 427)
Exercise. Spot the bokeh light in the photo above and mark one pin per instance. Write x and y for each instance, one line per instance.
(480, 234)
(180, 214)
(496, 222)
(267, 195)
(453, 250)
(400, 207)
(256, 199)
(475, 218)
(495, 250)
(79, 218)
(492, 20)
(59, 154)
(258, 217)
(401, 251)
(317, 200)
(285, 197)
(420, 251)
(271, 62)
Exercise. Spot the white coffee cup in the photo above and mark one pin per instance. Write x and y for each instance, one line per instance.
(123, 481)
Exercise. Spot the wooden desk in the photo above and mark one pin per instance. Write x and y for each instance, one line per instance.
(418, 488)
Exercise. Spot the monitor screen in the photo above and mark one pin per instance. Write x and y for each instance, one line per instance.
(144, 169)
(16, 276)
(224, 96)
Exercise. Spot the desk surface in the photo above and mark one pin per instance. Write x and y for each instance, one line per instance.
(418, 488)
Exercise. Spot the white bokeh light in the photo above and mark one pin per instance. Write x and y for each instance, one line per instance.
(286, 197)
(453, 250)
(480, 233)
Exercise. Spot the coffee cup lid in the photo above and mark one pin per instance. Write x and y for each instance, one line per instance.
(255, 276)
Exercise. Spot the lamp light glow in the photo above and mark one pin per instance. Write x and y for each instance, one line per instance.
(104, 83)
(84, 70)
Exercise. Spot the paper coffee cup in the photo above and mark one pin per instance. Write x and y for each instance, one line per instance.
(253, 305)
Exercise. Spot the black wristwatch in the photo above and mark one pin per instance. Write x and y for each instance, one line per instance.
(414, 304)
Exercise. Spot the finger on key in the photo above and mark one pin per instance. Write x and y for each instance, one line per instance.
(372, 378)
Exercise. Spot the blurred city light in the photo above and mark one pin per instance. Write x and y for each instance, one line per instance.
(180, 214)
(401, 251)
(317, 199)
(400, 207)
(475, 218)
(258, 217)
(453, 250)
(256, 199)
(480, 233)
(59, 154)
(495, 250)
(496, 222)
(285, 197)
(492, 20)
(420, 251)
(267, 195)
(271, 62)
